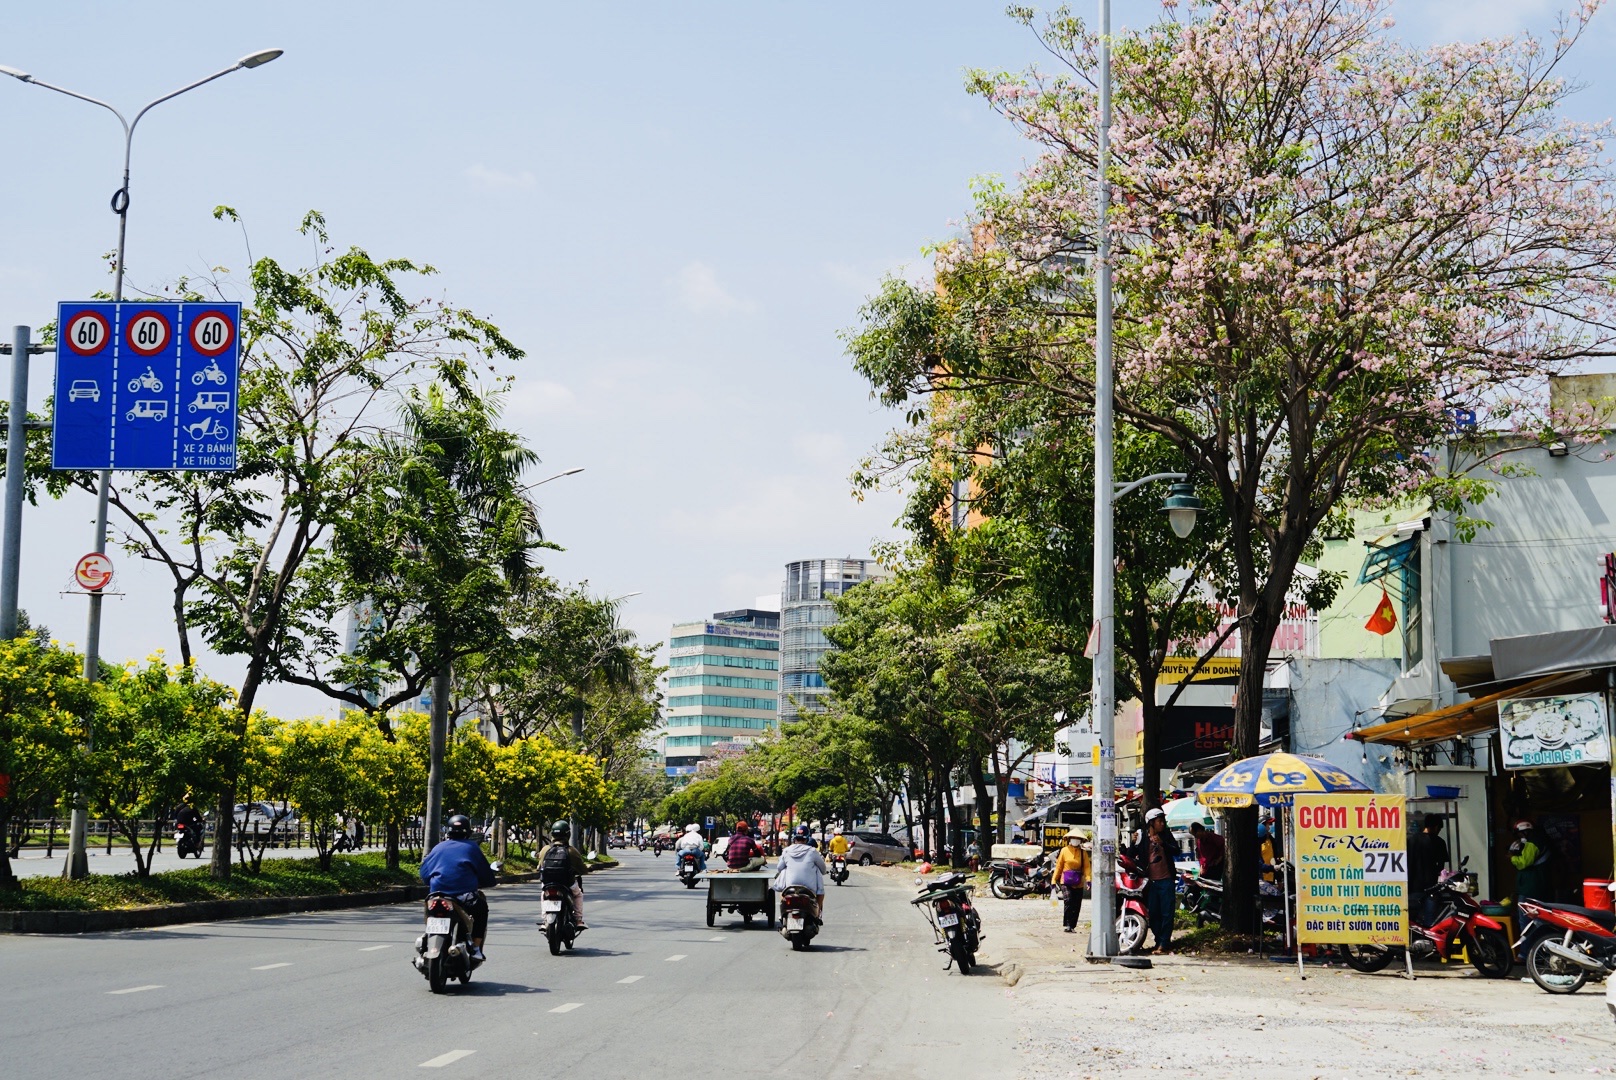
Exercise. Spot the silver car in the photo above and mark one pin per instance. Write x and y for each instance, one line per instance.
(875, 847)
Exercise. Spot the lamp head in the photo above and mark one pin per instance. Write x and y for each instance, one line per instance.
(15, 74)
(1181, 506)
(259, 58)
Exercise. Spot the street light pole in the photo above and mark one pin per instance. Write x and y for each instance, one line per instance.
(77, 861)
(1103, 933)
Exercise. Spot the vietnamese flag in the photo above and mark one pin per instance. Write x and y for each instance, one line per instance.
(1384, 620)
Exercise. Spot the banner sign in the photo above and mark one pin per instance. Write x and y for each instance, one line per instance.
(1567, 729)
(1352, 869)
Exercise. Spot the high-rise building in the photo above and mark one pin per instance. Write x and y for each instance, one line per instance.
(807, 606)
(723, 686)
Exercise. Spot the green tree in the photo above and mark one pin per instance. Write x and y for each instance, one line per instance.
(44, 703)
(317, 773)
(163, 735)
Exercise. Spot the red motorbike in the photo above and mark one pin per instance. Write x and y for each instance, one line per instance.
(1566, 945)
(1132, 918)
(1458, 923)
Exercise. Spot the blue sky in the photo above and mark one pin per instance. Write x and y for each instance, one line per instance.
(674, 208)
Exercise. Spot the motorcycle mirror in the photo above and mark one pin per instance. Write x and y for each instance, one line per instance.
(496, 867)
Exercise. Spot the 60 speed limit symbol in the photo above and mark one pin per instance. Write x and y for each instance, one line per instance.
(148, 333)
(212, 333)
(88, 333)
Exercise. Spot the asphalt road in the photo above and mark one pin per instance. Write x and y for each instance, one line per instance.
(650, 991)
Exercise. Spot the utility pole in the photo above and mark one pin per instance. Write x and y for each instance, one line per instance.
(16, 481)
(439, 740)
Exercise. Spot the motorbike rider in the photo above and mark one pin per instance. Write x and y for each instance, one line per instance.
(839, 844)
(561, 864)
(457, 866)
(188, 819)
(802, 864)
(743, 851)
(691, 841)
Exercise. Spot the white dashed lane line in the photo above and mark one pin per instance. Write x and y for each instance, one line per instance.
(628, 979)
(272, 967)
(137, 989)
(373, 948)
(568, 1007)
(675, 956)
(717, 939)
(446, 1059)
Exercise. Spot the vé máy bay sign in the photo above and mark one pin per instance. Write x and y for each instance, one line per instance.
(1351, 869)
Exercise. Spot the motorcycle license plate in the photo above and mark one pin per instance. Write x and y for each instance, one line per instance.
(948, 920)
(551, 905)
(794, 922)
(437, 926)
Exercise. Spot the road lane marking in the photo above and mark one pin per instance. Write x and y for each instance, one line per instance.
(675, 956)
(373, 948)
(446, 1059)
(272, 967)
(629, 979)
(137, 989)
(568, 1007)
(717, 939)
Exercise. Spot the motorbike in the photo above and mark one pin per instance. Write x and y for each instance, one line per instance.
(689, 868)
(1014, 878)
(838, 868)
(798, 923)
(1566, 946)
(1201, 896)
(187, 840)
(444, 951)
(212, 373)
(148, 381)
(955, 924)
(1133, 920)
(1458, 923)
(560, 923)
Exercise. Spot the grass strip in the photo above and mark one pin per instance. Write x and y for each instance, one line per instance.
(278, 877)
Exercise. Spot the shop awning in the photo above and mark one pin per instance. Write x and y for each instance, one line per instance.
(1456, 721)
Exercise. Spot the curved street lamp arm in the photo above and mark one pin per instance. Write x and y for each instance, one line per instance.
(1129, 488)
(127, 127)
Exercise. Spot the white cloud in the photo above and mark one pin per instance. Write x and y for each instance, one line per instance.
(498, 180)
(538, 397)
(696, 288)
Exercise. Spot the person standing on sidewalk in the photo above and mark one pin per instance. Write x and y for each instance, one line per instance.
(1157, 852)
(1071, 873)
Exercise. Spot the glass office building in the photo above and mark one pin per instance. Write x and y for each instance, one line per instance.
(723, 686)
(806, 608)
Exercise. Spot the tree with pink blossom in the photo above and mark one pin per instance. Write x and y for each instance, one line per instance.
(1325, 242)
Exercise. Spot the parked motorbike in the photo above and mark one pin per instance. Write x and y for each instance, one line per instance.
(187, 841)
(444, 951)
(1014, 878)
(1566, 946)
(798, 923)
(955, 924)
(559, 923)
(1201, 896)
(688, 868)
(838, 868)
(1133, 920)
(1458, 922)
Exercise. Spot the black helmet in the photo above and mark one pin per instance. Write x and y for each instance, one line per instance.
(803, 834)
(459, 827)
(560, 830)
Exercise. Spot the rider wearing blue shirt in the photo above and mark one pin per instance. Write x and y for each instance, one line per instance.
(458, 867)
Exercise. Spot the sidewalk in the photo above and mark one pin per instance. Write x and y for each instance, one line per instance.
(1244, 1016)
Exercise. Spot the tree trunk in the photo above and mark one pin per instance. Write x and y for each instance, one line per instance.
(1150, 747)
(984, 809)
(8, 878)
(1240, 844)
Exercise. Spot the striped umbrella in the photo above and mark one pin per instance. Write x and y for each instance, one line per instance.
(1273, 779)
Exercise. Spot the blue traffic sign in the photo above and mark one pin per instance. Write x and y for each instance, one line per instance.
(146, 385)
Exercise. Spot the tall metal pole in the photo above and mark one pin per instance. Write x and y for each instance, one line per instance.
(438, 744)
(16, 475)
(1103, 933)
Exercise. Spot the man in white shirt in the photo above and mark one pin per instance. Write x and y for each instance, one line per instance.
(691, 841)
